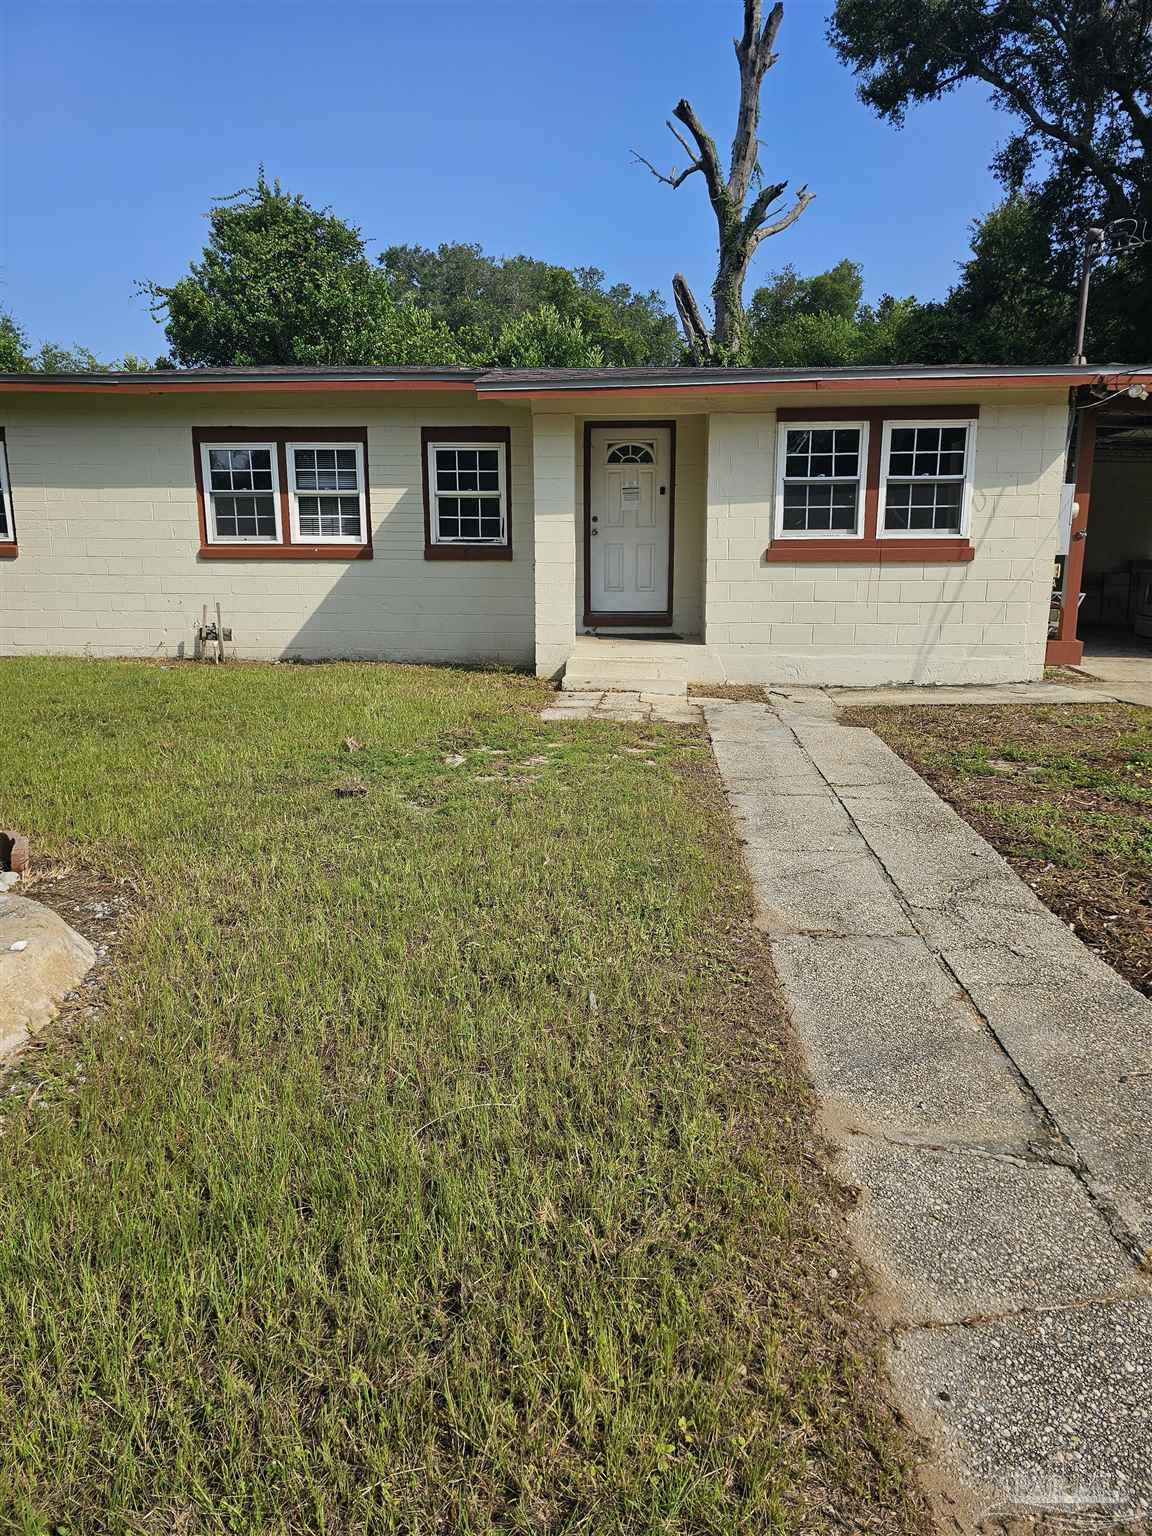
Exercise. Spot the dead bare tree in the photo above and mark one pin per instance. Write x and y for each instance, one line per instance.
(747, 211)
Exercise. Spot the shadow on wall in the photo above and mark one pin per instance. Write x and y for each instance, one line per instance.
(397, 606)
(109, 564)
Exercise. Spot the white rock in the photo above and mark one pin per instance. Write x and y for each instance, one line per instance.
(46, 961)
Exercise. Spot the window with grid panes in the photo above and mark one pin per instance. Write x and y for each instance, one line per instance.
(241, 492)
(925, 474)
(327, 485)
(822, 469)
(468, 496)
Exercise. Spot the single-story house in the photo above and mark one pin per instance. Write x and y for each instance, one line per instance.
(848, 526)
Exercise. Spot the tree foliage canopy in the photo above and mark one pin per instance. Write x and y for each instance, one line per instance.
(13, 346)
(822, 321)
(281, 282)
(1077, 77)
(478, 296)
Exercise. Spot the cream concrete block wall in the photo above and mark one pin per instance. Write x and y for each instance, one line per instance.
(865, 625)
(554, 463)
(105, 503)
(688, 538)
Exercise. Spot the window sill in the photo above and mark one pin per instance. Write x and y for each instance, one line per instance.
(869, 552)
(285, 552)
(467, 552)
(9, 549)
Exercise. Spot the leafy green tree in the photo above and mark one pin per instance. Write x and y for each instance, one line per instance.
(1014, 301)
(1077, 77)
(544, 338)
(822, 321)
(13, 346)
(477, 296)
(281, 282)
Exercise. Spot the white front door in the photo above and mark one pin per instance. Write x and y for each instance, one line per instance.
(629, 521)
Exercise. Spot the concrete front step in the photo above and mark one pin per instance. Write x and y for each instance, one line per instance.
(621, 682)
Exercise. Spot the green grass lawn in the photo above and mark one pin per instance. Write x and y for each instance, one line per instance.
(436, 1161)
(1064, 791)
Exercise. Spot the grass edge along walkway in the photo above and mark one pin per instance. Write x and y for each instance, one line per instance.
(438, 1160)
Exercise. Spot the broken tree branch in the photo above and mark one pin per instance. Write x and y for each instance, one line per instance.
(803, 198)
(740, 229)
(695, 331)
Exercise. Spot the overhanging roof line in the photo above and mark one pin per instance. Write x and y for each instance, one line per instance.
(561, 383)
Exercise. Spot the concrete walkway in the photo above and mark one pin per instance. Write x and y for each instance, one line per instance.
(986, 1080)
(611, 704)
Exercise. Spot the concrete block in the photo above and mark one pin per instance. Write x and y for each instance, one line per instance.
(1046, 1414)
(895, 1046)
(958, 1233)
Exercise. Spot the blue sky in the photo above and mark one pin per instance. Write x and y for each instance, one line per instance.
(510, 124)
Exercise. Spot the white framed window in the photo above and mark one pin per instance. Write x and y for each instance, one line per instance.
(468, 492)
(819, 479)
(926, 479)
(326, 493)
(241, 493)
(7, 522)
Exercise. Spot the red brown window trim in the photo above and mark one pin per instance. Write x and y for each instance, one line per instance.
(870, 549)
(431, 435)
(9, 548)
(286, 547)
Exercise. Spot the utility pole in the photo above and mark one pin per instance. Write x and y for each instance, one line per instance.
(1102, 240)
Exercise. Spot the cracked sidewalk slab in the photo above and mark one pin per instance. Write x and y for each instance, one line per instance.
(1044, 1413)
(1002, 1232)
(894, 1045)
(983, 1073)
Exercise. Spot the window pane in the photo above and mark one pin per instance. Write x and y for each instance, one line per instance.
(244, 516)
(896, 512)
(448, 516)
(240, 469)
(795, 503)
(817, 454)
(488, 458)
(330, 517)
(4, 529)
(844, 508)
(927, 452)
(932, 506)
(310, 516)
(819, 509)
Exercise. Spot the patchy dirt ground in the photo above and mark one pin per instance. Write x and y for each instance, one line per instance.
(742, 693)
(1064, 792)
